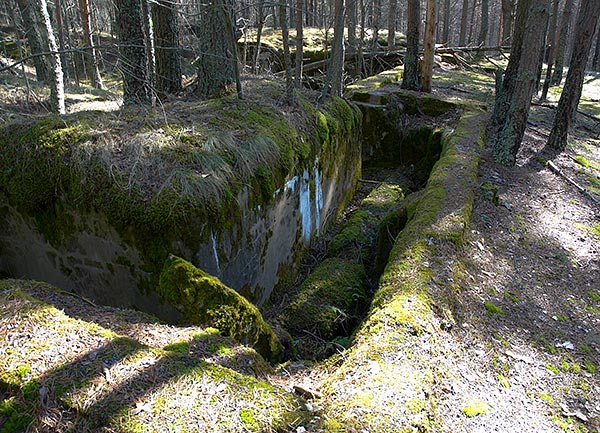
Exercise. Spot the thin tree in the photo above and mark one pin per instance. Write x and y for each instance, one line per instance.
(511, 134)
(132, 52)
(550, 49)
(335, 70)
(287, 60)
(410, 79)
(299, 41)
(260, 22)
(446, 28)
(587, 23)
(57, 85)
(596, 60)
(34, 39)
(428, 47)
(506, 86)
(90, 58)
(166, 42)
(391, 39)
(61, 33)
(507, 21)
(485, 22)
(561, 43)
(462, 38)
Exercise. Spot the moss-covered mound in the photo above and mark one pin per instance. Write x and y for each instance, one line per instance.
(66, 369)
(385, 383)
(327, 301)
(204, 300)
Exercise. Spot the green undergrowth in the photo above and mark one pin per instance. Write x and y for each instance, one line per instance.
(204, 300)
(385, 370)
(154, 180)
(97, 380)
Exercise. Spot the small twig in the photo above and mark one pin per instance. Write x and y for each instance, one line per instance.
(554, 169)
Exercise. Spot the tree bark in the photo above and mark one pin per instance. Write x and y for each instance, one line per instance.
(90, 57)
(503, 97)
(300, 41)
(166, 42)
(333, 81)
(132, 52)
(587, 22)
(596, 61)
(462, 38)
(287, 61)
(34, 39)
(507, 21)
(561, 43)
(511, 135)
(551, 50)
(446, 29)
(485, 22)
(391, 40)
(410, 79)
(428, 47)
(260, 21)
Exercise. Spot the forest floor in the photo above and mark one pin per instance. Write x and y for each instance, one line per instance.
(526, 345)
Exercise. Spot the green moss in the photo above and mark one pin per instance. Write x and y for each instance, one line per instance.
(247, 416)
(547, 398)
(594, 296)
(476, 408)
(354, 234)
(590, 367)
(326, 301)
(503, 380)
(180, 347)
(203, 299)
(492, 308)
(16, 415)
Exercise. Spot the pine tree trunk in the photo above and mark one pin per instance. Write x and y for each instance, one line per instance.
(335, 70)
(260, 21)
(90, 57)
(134, 62)
(587, 23)
(485, 22)
(57, 85)
(503, 97)
(149, 44)
(596, 61)
(299, 41)
(511, 135)
(551, 50)
(561, 44)
(351, 23)
(166, 42)
(391, 40)
(507, 21)
(215, 66)
(61, 35)
(462, 38)
(446, 28)
(34, 39)
(410, 79)
(287, 60)
(428, 47)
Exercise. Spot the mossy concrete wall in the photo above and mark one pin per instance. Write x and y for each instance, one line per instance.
(79, 226)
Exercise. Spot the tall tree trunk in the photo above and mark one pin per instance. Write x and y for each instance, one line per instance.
(503, 97)
(149, 44)
(134, 63)
(596, 61)
(473, 20)
(351, 23)
(561, 43)
(587, 22)
(57, 85)
(28, 14)
(287, 60)
(61, 34)
(446, 28)
(485, 22)
(391, 40)
(428, 47)
(335, 70)
(507, 21)
(166, 43)
(90, 57)
(462, 38)
(299, 41)
(511, 135)
(551, 49)
(410, 79)
(260, 21)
